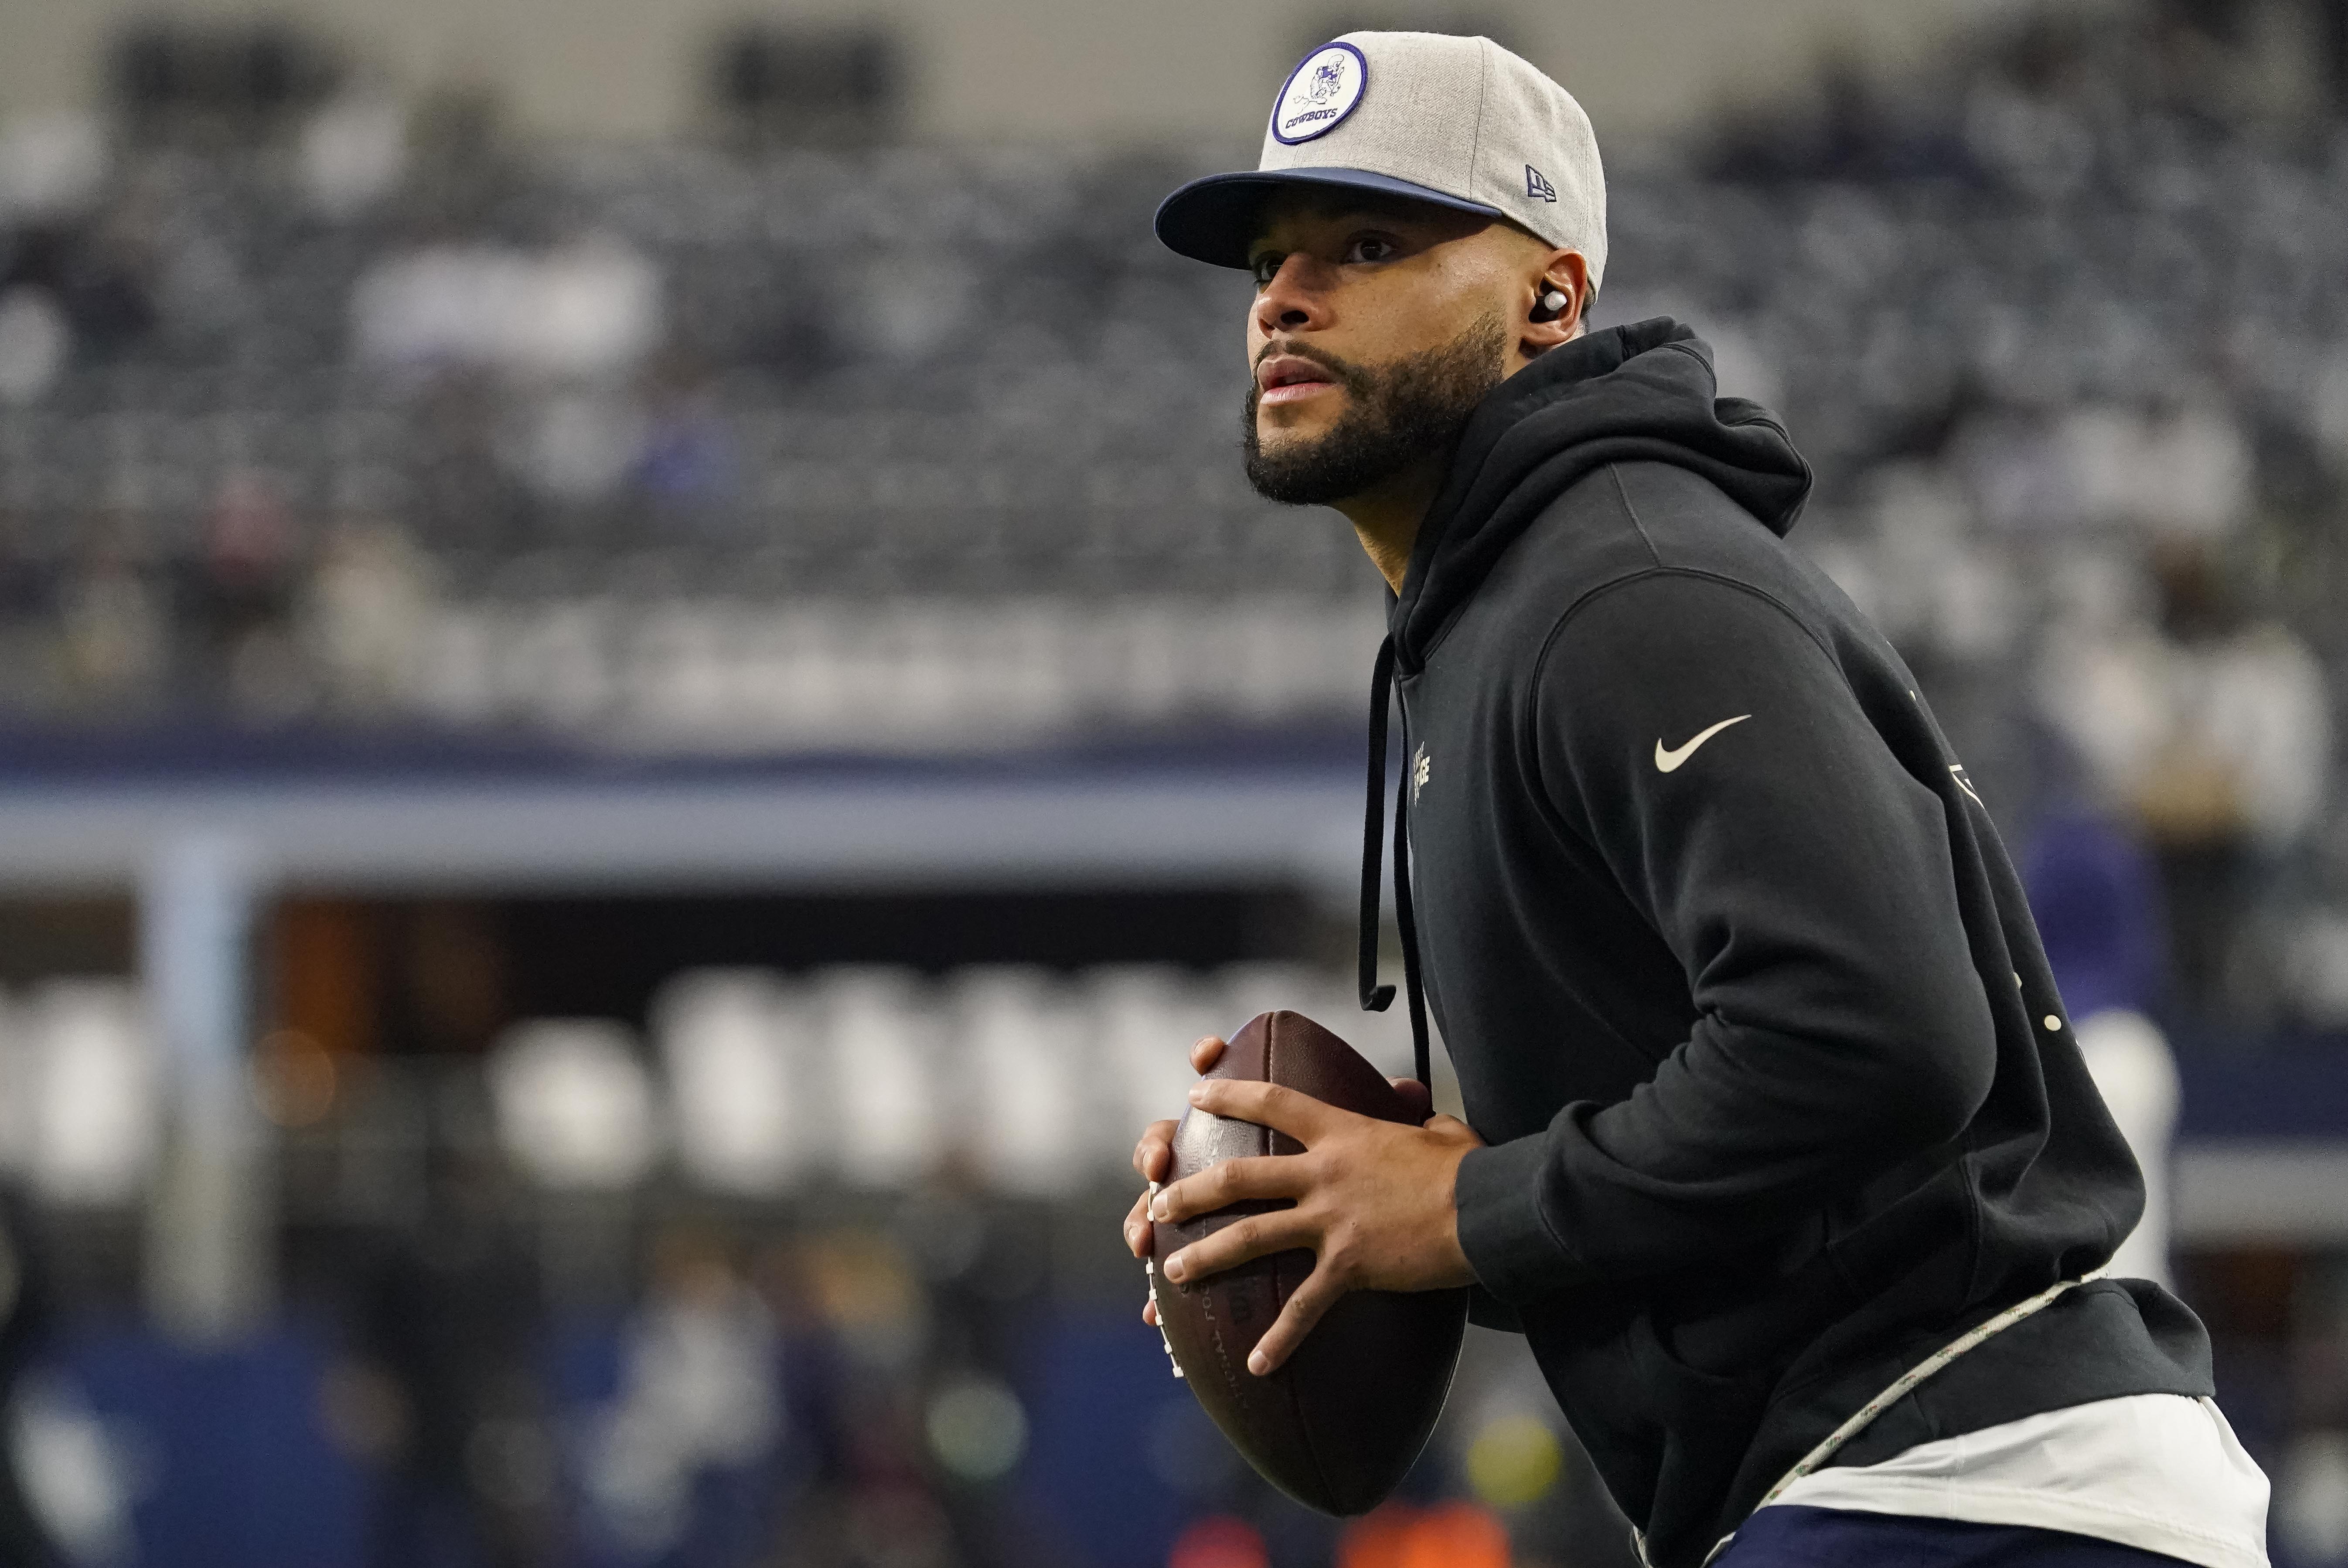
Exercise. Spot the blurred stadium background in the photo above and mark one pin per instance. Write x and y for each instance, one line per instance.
(612, 619)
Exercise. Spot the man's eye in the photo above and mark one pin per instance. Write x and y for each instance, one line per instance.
(1370, 248)
(1265, 269)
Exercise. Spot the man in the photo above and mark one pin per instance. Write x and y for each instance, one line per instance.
(1779, 1151)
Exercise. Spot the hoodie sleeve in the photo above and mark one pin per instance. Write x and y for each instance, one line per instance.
(1705, 743)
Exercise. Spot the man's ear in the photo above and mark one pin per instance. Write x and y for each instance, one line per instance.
(1565, 273)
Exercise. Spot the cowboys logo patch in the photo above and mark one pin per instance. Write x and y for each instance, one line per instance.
(1320, 92)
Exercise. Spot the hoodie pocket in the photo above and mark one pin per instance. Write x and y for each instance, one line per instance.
(1688, 1398)
(1708, 1421)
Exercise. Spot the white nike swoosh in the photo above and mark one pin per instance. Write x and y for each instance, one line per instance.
(1668, 762)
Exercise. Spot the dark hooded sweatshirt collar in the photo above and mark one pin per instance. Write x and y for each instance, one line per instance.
(1641, 393)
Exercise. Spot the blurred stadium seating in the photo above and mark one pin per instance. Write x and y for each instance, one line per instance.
(686, 450)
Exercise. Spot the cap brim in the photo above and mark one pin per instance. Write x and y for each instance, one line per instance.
(1213, 220)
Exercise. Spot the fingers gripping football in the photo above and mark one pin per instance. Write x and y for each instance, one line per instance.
(1233, 1181)
(1371, 1200)
(1300, 1116)
(1322, 1289)
(1218, 1188)
(1153, 1157)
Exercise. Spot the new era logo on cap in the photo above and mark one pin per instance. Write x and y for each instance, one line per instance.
(1432, 116)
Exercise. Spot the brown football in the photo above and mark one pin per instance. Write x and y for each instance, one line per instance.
(1339, 1425)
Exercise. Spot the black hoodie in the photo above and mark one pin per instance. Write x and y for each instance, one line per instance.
(1740, 987)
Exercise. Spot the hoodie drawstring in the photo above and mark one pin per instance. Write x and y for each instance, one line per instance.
(1376, 998)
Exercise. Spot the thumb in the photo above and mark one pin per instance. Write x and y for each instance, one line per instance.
(1417, 1099)
(1452, 1127)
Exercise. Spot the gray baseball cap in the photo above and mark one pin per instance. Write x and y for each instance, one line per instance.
(1459, 122)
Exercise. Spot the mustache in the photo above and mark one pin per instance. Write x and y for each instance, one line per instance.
(1350, 376)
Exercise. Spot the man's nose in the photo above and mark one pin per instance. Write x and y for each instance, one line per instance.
(1295, 298)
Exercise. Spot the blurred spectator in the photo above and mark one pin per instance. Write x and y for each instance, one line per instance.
(25, 1328)
(354, 152)
(2096, 893)
(52, 167)
(984, 1262)
(680, 1462)
(440, 1395)
(252, 549)
(2313, 952)
(78, 1471)
(686, 468)
(101, 268)
(35, 341)
(2176, 468)
(587, 307)
(2212, 729)
(468, 499)
(875, 1502)
(114, 632)
(577, 446)
(363, 614)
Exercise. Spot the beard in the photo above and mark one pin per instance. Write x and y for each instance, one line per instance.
(1401, 414)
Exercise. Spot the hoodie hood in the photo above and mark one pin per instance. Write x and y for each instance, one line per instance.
(1641, 393)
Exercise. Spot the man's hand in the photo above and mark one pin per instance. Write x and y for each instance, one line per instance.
(1373, 1200)
(1153, 1157)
